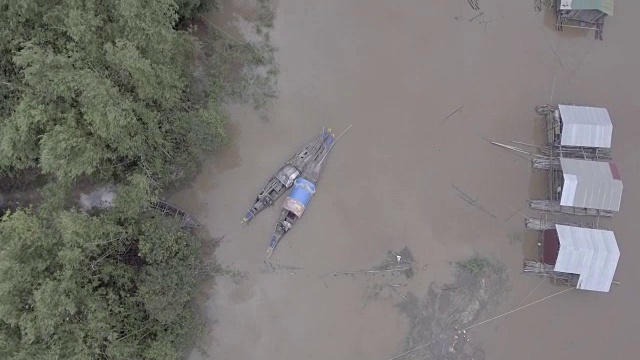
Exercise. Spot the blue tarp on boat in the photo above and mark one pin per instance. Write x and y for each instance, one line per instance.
(302, 191)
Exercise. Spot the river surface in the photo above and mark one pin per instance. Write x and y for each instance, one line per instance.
(396, 70)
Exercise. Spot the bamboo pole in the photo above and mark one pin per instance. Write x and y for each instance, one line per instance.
(405, 268)
(472, 201)
(545, 163)
(580, 27)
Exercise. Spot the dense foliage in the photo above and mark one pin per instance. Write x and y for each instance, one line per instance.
(115, 285)
(117, 92)
(100, 88)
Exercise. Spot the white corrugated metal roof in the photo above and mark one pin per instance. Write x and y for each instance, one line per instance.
(585, 126)
(590, 184)
(593, 254)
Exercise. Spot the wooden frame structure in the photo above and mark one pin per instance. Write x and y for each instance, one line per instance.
(545, 223)
(554, 149)
(539, 267)
(590, 19)
(580, 256)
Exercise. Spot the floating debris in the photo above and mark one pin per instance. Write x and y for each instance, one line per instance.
(396, 263)
(472, 201)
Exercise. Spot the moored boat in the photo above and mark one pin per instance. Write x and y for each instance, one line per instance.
(303, 189)
(284, 178)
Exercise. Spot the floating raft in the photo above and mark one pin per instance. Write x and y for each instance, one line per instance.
(577, 132)
(585, 153)
(555, 207)
(166, 209)
(547, 224)
(540, 224)
(542, 269)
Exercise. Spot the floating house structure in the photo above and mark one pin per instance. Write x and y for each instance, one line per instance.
(577, 132)
(581, 257)
(582, 187)
(585, 14)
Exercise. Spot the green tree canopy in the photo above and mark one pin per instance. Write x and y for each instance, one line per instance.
(101, 88)
(114, 285)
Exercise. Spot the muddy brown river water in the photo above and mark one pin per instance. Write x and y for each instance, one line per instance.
(396, 70)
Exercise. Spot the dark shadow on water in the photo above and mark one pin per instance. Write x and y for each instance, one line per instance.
(185, 195)
(530, 247)
(229, 157)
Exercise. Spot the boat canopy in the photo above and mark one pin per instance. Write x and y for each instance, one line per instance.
(300, 196)
(303, 190)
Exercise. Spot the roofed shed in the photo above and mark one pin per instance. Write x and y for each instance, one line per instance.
(591, 253)
(584, 12)
(585, 126)
(591, 185)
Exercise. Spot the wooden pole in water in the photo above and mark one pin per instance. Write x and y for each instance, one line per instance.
(345, 130)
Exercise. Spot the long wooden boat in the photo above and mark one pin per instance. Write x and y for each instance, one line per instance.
(284, 178)
(186, 220)
(303, 189)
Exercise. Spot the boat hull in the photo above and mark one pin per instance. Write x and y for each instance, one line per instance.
(303, 190)
(284, 178)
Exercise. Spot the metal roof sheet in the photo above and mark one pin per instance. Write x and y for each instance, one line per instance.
(590, 184)
(591, 253)
(585, 126)
(606, 6)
